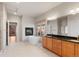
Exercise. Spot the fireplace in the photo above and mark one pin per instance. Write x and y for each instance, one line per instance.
(28, 31)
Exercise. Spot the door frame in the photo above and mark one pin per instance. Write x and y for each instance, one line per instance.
(9, 34)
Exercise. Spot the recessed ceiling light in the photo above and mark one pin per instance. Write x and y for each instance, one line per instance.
(72, 12)
(52, 18)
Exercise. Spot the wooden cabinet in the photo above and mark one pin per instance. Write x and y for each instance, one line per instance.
(61, 47)
(44, 42)
(57, 46)
(67, 49)
(49, 43)
(77, 50)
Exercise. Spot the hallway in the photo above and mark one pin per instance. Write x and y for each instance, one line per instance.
(22, 49)
(12, 40)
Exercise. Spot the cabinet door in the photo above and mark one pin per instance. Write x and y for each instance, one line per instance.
(54, 45)
(77, 50)
(67, 49)
(57, 46)
(49, 43)
(44, 42)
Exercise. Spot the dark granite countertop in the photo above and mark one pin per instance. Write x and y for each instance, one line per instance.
(64, 38)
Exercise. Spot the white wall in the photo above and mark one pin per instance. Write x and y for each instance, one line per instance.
(15, 18)
(3, 19)
(73, 25)
(62, 10)
(27, 22)
(0, 25)
(4, 25)
(52, 27)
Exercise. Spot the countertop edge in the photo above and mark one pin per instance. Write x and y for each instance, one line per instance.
(66, 38)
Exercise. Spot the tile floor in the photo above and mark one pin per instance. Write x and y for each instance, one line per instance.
(23, 49)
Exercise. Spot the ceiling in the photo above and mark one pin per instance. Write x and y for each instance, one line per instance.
(31, 9)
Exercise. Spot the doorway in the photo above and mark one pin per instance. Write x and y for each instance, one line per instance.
(12, 32)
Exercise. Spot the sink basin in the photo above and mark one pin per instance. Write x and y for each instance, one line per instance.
(74, 40)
